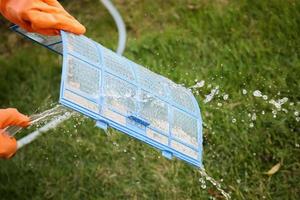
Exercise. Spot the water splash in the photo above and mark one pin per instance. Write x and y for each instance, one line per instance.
(199, 84)
(251, 125)
(257, 93)
(278, 103)
(253, 117)
(273, 105)
(52, 124)
(225, 97)
(213, 182)
(44, 117)
(244, 91)
(210, 96)
(37, 120)
(265, 97)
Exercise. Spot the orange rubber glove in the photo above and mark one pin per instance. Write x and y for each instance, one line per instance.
(46, 17)
(10, 117)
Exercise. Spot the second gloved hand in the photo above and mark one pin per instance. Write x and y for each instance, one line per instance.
(46, 17)
(10, 117)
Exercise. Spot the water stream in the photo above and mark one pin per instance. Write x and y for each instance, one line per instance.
(215, 183)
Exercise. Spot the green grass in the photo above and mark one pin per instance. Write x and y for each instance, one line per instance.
(234, 44)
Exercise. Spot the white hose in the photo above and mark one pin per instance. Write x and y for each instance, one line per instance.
(121, 47)
(120, 25)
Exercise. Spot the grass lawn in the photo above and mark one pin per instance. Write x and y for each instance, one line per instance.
(240, 46)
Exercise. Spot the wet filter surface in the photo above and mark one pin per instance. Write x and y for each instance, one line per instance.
(121, 94)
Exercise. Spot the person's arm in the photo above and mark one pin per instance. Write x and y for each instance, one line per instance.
(46, 17)
(10, 117)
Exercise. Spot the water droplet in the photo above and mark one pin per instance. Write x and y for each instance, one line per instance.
(115, 144)
(257, 93)
(265, 97)
(253, 117)
(251, 125)
(285, 110)
(199, 84)
(214, 182)
(225, 96)
(210, 96)
(203, 186)
(279, 102)
(201, 180)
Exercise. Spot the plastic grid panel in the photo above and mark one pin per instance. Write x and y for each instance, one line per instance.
(184, 127)
(45, 40)
(117, 64)
(184, 149)
(57, 48)
(151, 97)
(83, 77)
(182, 97)
(51, 42)
(156, 136)
(84, 47)
(81, 101)
(155, 111)
(119, 95)
(150, 81)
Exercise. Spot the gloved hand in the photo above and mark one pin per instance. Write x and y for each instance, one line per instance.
(10, 117)
(46, 17)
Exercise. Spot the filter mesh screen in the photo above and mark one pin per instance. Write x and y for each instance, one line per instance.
(124, 95)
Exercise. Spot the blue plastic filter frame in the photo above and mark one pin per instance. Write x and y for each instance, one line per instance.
(119, 93)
